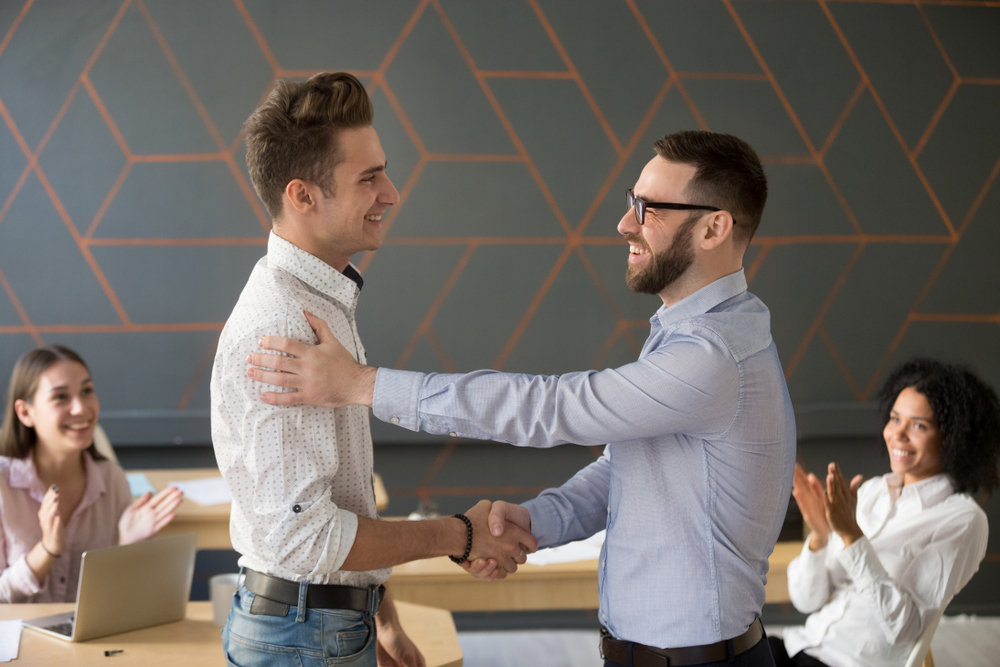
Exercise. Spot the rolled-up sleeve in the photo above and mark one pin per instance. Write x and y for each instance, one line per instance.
(290, 456)
(17, 582)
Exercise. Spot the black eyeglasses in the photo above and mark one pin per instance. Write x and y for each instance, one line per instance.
(640, 205)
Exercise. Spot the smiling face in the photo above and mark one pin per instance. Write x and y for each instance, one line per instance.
(351, 220)
(661, 250)
(63, 410)
(913, 437)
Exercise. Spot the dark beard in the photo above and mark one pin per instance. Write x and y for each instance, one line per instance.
(665, 268)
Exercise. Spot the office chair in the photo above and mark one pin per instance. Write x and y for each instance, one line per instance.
(920, 656)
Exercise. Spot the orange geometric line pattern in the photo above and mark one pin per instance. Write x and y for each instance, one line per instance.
(572, 240)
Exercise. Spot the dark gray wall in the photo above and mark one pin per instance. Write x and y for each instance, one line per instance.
(128, 225)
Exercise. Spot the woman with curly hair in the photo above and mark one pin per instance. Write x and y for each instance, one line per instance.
(58, 496)
(884, 556)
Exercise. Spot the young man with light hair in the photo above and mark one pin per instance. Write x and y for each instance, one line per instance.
(304, 519)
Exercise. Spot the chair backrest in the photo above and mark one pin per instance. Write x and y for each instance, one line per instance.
(103, 445)
(923, 644)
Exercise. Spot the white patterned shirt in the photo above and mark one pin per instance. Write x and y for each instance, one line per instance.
(873, 599)
(300, 475)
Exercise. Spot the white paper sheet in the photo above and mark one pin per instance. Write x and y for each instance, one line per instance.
(588, 549)
(208, 491)
(10, 639)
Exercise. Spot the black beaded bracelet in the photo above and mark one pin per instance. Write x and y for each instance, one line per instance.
(49, 552)
(468, 544)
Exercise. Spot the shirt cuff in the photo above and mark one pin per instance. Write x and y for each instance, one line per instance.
(546, 526)
(396, 396)
(808, 564)
(862, 563)
(22, 580)
(348, 528)
(811, 557)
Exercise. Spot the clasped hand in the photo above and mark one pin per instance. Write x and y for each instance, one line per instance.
(832, 509)
(504, 524)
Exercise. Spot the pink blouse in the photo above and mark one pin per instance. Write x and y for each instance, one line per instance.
(93, 525)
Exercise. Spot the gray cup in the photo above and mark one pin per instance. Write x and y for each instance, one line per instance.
(221, 589)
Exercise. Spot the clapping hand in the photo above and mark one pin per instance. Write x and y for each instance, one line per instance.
(842, 505)
(53, 531)
(810, 496)
(148, 514)
(830, 509)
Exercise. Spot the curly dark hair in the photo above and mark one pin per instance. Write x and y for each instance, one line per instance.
(967, 413)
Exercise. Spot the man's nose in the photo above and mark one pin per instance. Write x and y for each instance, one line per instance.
(389, 194)
(628, 224)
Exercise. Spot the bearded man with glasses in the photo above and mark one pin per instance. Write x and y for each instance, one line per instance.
(697, 472)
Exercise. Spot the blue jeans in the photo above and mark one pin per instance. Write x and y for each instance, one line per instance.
(314, 638)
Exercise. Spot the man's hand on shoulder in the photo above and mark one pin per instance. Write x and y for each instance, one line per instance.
(325, 374)
(507, 525)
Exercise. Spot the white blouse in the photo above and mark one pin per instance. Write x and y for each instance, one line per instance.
(873, 599)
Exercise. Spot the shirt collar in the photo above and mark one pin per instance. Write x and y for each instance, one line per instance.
(342, 287)
(873, 513)
(702, 301)
(24, 475)
(927, 492)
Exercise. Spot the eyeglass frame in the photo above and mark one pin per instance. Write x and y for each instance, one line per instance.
(639, 205)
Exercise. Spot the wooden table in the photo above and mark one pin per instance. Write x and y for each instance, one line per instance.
(211, 522)
(195, 641)
(441, 583)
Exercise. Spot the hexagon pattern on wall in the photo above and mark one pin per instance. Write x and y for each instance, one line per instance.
(128, 224)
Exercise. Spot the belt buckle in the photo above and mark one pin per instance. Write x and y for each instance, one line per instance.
(375, 599)
(600, 647)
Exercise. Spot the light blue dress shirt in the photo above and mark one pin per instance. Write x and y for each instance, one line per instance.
(696, 478)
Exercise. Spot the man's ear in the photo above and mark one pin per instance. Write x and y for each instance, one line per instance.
(300, 195)
(23, 412)
(718, 227)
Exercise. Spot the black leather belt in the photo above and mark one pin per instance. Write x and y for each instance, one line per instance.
(318, 596)
(650, 656)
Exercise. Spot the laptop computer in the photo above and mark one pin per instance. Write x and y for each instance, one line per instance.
(126, 588)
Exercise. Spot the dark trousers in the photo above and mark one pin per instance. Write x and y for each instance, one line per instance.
(800, 659)
(758, 656)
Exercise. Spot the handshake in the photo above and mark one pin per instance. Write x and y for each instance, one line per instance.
(501, 539)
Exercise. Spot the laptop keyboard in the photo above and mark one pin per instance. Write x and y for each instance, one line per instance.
(62, 628)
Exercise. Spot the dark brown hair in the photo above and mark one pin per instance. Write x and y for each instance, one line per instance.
(16, 439)
(729, 175)
(294, 133)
